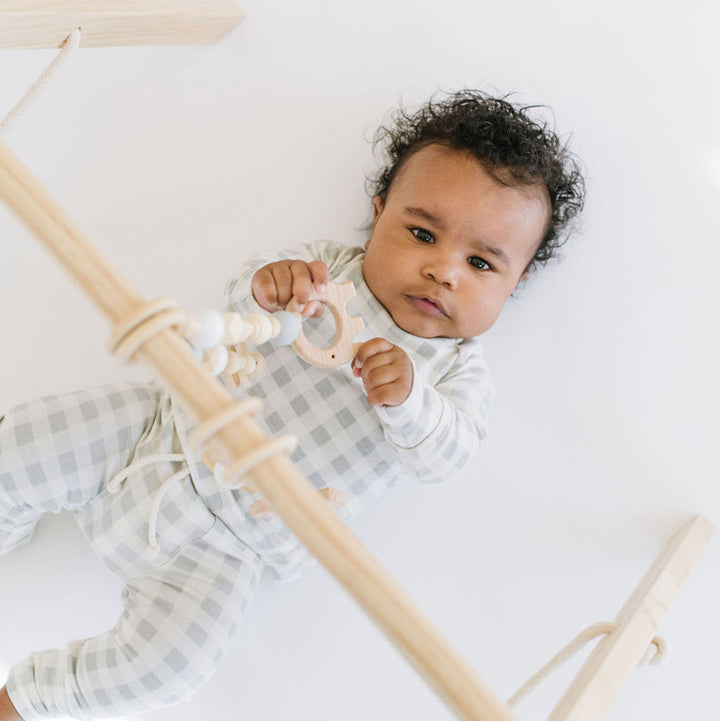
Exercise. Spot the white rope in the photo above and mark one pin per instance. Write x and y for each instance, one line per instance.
(153, 548)
(71, 43)
(113, 486)
(597, 629)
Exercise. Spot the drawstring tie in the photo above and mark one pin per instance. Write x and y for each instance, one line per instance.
(113, 486)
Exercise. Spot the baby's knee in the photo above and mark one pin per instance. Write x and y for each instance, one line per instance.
(157, 677)
(28, 438)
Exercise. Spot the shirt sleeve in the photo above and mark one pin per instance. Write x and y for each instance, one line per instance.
(440, 429)
(334, 255)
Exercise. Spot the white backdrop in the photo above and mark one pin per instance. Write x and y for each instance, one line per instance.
(181, 162)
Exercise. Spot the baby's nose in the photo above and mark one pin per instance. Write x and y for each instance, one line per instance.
(442, 272)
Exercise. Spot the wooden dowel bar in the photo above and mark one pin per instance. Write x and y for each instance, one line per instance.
(47, 23)
(280, 483)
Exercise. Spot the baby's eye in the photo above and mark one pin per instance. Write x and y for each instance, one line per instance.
(477, 262)
(422, 235)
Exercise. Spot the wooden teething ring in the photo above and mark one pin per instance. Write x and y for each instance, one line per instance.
(342, 349)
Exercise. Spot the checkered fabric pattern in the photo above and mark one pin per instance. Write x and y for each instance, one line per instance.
(344, 442)
(180, 607)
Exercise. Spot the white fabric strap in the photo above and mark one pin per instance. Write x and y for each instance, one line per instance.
(113, 485)
(71, 43)
(153, 548)
(657, 645)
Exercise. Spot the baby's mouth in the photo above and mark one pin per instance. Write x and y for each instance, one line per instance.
(427, 306)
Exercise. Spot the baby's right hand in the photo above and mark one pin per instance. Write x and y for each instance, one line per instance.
(276, 283)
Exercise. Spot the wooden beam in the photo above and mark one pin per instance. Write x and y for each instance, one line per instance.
(278, 480)
(614, 659)
(46, 23)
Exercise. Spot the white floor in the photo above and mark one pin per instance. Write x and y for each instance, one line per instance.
(605, 426)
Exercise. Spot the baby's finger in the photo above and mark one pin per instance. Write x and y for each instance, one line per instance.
(293, 280)
(375, 375)
(314, 309)
(320, 274)
(269, 286)
(385, 395)
(264, 290)
(302, 283)
(370, 348)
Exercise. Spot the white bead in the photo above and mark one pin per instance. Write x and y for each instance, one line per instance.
(209, 330)
(289, 328)
(216, 359)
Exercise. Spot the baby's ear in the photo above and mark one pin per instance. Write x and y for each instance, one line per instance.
(378, 206)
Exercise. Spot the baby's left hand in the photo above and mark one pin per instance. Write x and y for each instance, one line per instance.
(386, 372)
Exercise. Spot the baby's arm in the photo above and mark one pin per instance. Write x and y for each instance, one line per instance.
(335, 256)
(438, 430)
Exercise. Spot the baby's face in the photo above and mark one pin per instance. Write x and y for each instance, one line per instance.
(450, 244)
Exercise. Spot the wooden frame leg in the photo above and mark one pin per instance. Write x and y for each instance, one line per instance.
(599, 681)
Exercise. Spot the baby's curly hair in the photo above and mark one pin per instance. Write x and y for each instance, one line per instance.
(511, 146)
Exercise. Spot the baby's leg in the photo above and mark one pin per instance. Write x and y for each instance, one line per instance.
(57, 452)
(176, 624)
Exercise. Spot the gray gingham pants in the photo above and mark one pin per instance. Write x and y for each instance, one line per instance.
(180, 607)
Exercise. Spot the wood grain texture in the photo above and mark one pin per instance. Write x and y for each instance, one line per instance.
(614, 659)
(277, 479)
(342, 349)
(46, 23)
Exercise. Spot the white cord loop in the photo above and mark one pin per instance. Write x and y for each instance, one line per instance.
(658, 645)
(208, 428)
(68, 47)
(153, 546)
(243, 465)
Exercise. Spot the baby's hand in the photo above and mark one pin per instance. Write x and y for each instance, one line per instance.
(386, 372)
(276, 283)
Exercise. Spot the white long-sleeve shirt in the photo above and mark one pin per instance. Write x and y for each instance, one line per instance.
(344, 442)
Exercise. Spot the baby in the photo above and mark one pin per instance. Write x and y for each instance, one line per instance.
(473, 197)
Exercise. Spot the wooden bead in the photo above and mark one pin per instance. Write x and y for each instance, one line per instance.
(235, 328)
(236, 362)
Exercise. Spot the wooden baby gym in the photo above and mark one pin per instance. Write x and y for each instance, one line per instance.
(186, 351)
